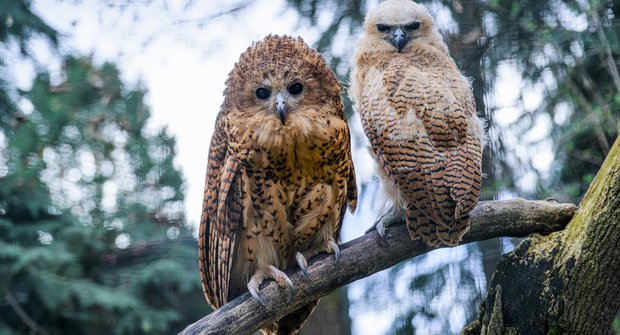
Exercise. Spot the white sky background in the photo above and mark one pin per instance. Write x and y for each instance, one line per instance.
(183, 66)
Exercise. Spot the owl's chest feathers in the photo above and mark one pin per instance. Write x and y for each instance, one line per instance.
(414, 97)
(302, 146)
(420, 64)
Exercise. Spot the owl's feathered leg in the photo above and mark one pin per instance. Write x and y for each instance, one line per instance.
(269, 272)
(392, 215)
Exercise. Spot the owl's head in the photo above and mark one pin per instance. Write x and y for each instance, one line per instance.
(278, 76)
(394, 25)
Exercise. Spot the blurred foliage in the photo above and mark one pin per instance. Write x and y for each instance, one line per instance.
(92, 214)
(92, 234)
(18, 25)
(587, 89)
(567, 52)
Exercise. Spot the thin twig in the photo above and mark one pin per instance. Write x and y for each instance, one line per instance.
(21, 313)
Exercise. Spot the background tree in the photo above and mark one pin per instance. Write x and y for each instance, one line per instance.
(86, 185)
(567, 53)
(92, 233)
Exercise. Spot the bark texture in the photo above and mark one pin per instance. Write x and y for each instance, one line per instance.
(369, 254)
(567, 282)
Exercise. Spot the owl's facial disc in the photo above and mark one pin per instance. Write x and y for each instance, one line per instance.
(278, 97)
(398, 35)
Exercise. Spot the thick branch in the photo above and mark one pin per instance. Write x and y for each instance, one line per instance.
(369, 254)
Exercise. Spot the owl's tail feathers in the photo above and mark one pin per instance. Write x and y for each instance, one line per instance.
(451, 234)
(291, 324)
(421, 227)
(436, 233)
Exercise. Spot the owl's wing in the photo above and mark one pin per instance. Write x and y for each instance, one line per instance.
(352, 191)
(221, 219)
(418, 129)
(351, 198)
(388, 96)
(464, 162)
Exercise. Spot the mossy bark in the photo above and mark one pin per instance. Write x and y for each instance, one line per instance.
(567, 282)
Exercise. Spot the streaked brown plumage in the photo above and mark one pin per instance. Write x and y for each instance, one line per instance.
(419, 113)
(279, 175)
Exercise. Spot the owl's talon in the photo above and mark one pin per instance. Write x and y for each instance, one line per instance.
(270, 272)
(381, 229)
(393, 215)
(302, 263)
(291, 289)
(335, 249)
(282, 279)
(255, 295)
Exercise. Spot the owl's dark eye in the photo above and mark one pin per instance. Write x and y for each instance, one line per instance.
(263, 93)
(295, 88)
(413, 26)
(383, 27)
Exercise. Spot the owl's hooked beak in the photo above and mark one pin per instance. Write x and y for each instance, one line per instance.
(398, 37)
(281, 106)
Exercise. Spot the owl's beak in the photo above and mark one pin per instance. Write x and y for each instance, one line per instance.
(398, 38)
(281, 106)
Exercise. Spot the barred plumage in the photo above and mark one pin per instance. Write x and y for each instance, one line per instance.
(279, 175)
(419, 114)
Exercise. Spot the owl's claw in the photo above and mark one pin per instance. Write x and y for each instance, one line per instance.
(303, 263)
(254, 293)
(270, 272)
(335, 249)
(393, 214)
(379, 227)
(291, 288)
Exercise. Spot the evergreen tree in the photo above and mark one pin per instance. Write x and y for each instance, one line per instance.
(91, 225)
(18, 26)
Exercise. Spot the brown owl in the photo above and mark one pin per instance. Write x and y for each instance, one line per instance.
(279, 175)
(419, 114)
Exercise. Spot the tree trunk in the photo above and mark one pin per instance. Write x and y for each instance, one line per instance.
(567, 282)
(331, 316)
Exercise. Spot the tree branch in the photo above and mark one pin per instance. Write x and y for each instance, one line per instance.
(369, 254)
(21, 313)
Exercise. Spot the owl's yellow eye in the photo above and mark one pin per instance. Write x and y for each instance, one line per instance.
(263, 93)
(295, 88)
